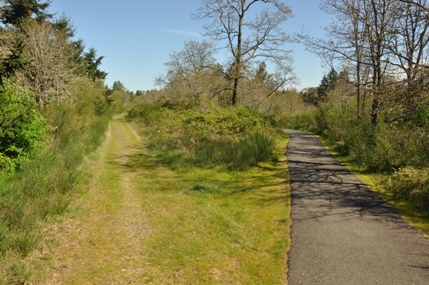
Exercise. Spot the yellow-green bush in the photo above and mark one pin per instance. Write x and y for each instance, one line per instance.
(208, 135)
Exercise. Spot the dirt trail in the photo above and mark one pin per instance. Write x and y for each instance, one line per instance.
(101, 244)
(342, 233)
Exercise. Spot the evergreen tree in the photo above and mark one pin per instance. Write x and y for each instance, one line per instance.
(327, 84)
(92, 63)
(12, 58)
(13, 12)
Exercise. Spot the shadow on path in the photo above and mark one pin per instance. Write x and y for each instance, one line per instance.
(342, 232)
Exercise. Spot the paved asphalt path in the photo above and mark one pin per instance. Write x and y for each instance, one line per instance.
(342, 233)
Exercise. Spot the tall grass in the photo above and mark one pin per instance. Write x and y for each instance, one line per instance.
(43, 187)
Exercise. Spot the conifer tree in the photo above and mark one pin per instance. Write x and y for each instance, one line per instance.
(13, 12)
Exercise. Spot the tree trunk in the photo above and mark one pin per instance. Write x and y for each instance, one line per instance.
(234, 92)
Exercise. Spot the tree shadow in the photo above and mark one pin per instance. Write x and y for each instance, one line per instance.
(320, 181)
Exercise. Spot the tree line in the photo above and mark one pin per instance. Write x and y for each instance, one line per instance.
(382, 47)
(257, 69)
(41, 63)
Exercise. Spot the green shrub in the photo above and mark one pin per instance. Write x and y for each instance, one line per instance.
(247, 152)
(208, 135)
(23, 130)
(412, 185)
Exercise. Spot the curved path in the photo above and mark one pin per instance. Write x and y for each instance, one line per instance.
(342, 233)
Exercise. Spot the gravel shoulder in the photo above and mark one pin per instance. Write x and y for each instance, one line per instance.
(343, 233)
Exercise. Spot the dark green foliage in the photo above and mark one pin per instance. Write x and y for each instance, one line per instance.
(310, 96)
(65, 25)
(16, 11)
(15, 59)
(22, 128)
(92, 63)
(327, 84)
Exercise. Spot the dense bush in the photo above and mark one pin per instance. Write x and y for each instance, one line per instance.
(22, 128)
(411, 184)
(208, 135)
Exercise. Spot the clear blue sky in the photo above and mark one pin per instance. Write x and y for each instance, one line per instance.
(136, 37)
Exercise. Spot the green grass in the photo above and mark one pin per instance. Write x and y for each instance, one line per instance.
(200, 226)
(215, 227)
(222, 194)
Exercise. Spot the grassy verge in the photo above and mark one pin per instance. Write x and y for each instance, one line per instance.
(43, 187)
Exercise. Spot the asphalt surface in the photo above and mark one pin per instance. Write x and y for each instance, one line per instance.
(342, 233)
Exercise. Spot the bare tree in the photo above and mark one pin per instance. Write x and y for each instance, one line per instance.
(250, 29)
(192, 72)
(411, 39)
(419, 4)
(362, 38)
(347, 44)
(51, 63)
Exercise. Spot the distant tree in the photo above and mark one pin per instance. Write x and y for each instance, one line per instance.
(120, 91)
(65, 25)
(251, 29)
(192, 72)
(14, 12)
(92, 65)
(309, 95)
(118, 86)
(327, 85)
(262, 75)
(140, 93)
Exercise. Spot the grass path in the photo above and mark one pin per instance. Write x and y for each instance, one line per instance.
(141, 223)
